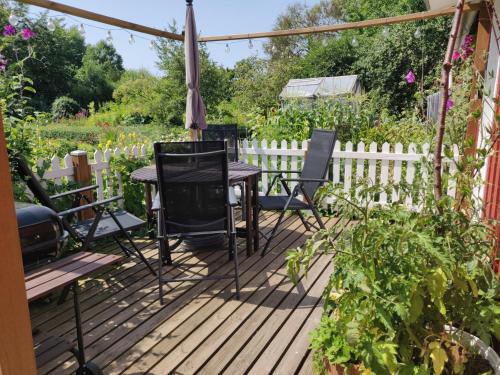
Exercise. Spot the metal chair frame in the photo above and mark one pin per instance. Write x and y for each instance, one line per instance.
(165, 250)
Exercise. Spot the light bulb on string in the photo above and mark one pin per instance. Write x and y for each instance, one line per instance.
(250, 44)
(151, 45)
(131, 39)
(81, 29)
(227, 48)
(418, 33)
(51, 25)
(274, 49)
(109, 37)
(354, 42)
(324, 42)
(385, 32)
(13, 19)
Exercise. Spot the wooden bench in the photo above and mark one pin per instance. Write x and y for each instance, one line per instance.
(44, 281)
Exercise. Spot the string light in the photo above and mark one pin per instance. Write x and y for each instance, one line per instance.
(131, 39)
(109, 37)
(324, 42)
(250, 44)
(81, 29)
(274, 49)
(385, 32)
(151, 45)
(227, 48)
(418, 33)
(51, 25)
(354, 42)
(13, 19)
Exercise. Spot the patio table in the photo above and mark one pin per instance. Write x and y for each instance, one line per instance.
(237, 172)
(45, 280)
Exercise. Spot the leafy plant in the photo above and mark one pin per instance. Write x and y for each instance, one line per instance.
(64, 107)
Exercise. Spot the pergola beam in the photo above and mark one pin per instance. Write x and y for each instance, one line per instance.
(52, 5)
(449, 11)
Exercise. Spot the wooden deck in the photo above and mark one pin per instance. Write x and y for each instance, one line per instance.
(201, 328)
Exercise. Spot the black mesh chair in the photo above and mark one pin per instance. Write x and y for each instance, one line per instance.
(228, 133)
(194, 200)
(312, 176)
(108, 222)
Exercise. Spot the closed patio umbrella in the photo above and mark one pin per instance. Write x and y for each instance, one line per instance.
(195, 109)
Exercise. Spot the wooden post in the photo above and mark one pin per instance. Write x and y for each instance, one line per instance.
(16, 344)
(83, 175)
(480, 60)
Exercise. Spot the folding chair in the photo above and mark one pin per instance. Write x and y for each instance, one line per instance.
(228, 133)
(106, 223)
(195, 200)
(312, 176)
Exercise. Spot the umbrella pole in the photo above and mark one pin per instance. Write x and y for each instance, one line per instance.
(195, 134)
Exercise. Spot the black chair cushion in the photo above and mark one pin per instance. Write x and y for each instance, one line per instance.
(107, 225)
(277, 203)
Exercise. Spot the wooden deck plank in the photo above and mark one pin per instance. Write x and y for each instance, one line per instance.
(307, 366)
(114, 335)
(254, 275)
(218, 328)
(282, 342)
(253, 336)
(201, 327)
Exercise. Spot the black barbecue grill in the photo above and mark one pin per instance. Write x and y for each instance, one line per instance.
(42, 235)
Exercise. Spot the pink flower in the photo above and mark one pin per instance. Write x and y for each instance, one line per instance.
(410, 77)
(9, 30)
(27, 33)
(456, 55)
(468, 41)
(449, 104)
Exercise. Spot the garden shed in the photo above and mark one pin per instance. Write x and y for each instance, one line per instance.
(311, 89)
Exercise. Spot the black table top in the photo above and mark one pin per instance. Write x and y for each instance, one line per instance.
(237, 171)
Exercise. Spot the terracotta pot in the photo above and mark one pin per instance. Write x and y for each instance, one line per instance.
(339, 370)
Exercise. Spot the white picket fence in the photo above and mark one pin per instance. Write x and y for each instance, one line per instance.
(349, 165)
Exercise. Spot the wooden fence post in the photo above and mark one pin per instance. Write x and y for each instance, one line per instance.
(83, 175)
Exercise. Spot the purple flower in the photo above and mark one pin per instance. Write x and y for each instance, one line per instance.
(9, 30)
(410, 77)
(449, 104)
(27, 33)
(3, 63)
(467, 41)
(456, 55)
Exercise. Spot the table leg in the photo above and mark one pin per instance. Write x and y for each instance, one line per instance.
(78, 322)
(248, 218)
(255, 209)
(149, 204)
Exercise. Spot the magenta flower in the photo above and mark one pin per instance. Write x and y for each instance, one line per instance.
(456, 55)
(3, 63)
(468, 41)
(410, 77)
(27, 33)
(9, 30)
(449, 104)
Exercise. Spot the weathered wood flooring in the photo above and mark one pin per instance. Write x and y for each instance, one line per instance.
(201, 328)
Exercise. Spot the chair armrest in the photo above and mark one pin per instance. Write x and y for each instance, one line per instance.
(76, 191)
(305, 179)
(90, 205)
(277, 172)
(156, 202)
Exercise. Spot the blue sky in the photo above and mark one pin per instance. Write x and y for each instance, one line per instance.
(212, 17)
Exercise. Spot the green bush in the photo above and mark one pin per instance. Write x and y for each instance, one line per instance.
(64, 107)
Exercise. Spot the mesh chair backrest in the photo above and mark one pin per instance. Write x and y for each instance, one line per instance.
(21, 166)
(318, 158)
(228, 133)
(193, 186)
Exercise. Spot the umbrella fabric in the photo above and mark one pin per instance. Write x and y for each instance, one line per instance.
(195, 109)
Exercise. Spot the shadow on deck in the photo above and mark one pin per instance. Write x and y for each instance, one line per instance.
(202, 327)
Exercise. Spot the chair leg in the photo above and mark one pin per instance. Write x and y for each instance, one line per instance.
(304, 221)
(131, 241)
(236, 265)
(160, 273)
(280, 219)
(318, 217)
